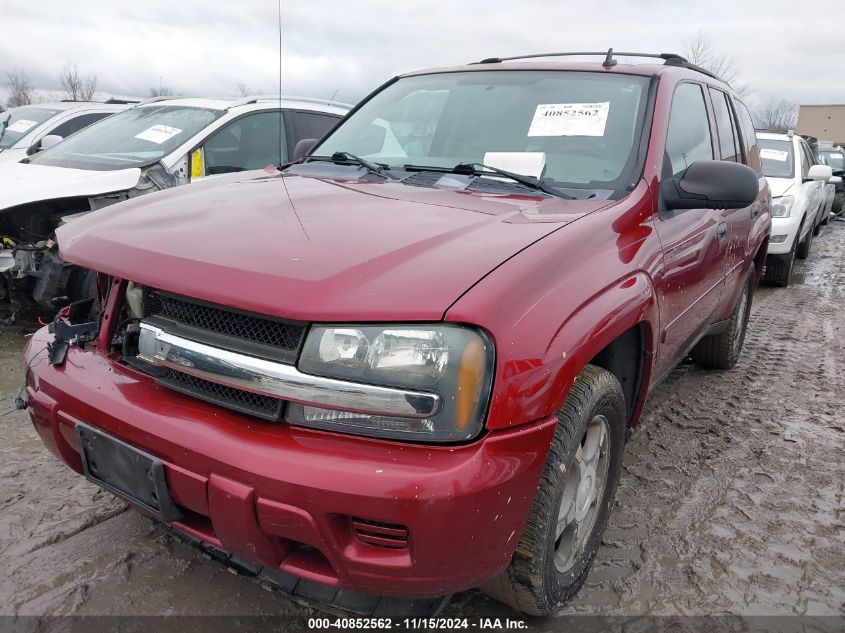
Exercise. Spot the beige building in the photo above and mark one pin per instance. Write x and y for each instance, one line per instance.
(825, 122)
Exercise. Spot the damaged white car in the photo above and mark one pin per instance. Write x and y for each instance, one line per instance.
(147, 148)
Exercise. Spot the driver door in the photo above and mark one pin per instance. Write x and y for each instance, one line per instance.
(694, 241)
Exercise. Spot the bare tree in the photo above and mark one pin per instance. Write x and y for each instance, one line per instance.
(701, 51)
(242, 90)
(776, 114)
(20, 90)
(77, 87)
(161, 91)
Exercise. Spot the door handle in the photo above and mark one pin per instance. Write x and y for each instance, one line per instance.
(755, 210)
(721, 232)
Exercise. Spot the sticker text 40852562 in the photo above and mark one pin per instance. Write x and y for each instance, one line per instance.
(570, 119)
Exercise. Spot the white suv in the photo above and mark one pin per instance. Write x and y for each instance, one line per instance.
(798, 200)
(23, 129)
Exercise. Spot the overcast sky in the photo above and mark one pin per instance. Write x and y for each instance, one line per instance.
(205, 47)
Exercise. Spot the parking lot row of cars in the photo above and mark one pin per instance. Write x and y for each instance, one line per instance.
(405, 361)
(128, 150)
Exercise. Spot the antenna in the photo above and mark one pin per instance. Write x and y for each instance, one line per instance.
(281, 120)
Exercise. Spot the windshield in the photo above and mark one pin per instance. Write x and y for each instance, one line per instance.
(835, 159)
(777, 156)
(578, 129)
(21, 122)
(133, 138)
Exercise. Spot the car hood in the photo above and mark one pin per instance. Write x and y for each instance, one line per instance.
(22, 182)
(315, 249)
(780, 186)
(11, 154)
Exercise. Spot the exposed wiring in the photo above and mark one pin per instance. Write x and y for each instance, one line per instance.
(18, 397)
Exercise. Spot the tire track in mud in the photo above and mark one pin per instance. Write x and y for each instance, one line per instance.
(731, 498)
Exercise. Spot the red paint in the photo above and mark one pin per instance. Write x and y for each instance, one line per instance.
(552, 281)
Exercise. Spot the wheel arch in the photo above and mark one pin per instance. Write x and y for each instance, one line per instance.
(623, 341)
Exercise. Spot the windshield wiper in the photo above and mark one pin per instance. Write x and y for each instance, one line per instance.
(479, 169)
(346, 157)
(472, 170)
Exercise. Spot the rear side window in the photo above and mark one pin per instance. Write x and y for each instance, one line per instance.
(688, 138)
(725, 127)
(749, 138)
(311, 124)
(66, 128)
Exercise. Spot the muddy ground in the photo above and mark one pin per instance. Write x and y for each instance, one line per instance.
(732, 498)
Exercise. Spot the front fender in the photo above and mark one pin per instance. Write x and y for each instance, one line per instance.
(628, 303)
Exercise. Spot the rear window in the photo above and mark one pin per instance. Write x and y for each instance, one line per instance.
(778, 158)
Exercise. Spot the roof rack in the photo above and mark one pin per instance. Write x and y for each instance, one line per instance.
(669, 59)
(257, 98)
(119, 101)
(789, 133)
(155, 99)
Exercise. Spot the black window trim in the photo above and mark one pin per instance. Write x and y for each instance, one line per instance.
(734, 123)
(746, 150)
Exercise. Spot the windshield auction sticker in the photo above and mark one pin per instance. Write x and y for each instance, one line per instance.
(774, 154)
(570, 119)
(158, 134)
(21, 126)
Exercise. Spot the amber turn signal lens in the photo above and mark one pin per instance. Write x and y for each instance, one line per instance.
(470, 377)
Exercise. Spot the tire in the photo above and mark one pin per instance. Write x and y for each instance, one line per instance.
(534, 581)
(779, 267)
(721, 351)
(826, 220)
(803, 250)
(838, 202)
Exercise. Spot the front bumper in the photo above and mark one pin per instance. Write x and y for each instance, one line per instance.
(787, 227)
(295, 499)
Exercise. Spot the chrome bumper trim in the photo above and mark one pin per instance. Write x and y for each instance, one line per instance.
(279, 380)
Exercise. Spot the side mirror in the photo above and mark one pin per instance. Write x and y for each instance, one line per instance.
(819, 172)
(835, 180)
(711, 184)
(48, 141)
(303, 148)
(197, 160)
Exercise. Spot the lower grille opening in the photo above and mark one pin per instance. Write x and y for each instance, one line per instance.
(243, 401)
(380, 534)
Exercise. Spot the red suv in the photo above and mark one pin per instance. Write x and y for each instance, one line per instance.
(407, 364)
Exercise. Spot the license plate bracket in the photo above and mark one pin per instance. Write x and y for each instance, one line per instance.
(127, 472)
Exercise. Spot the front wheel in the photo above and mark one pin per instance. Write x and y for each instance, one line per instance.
(803, 250)
(721, 351)
(573, 500)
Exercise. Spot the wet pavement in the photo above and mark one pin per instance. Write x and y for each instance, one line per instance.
(732, 497)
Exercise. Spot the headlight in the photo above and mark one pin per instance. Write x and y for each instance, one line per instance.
(453, 361)
(782, 207)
